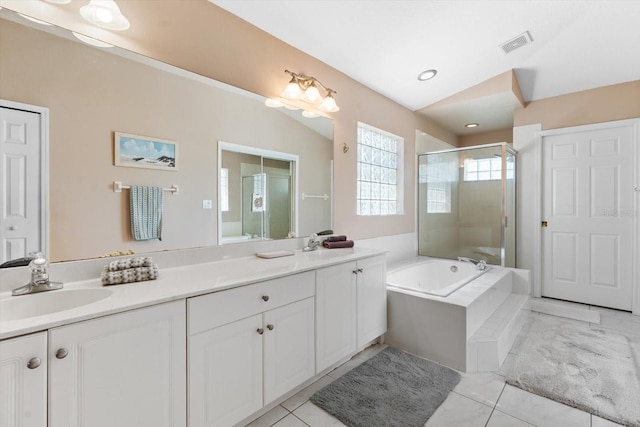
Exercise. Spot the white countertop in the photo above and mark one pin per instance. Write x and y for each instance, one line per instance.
(179, 283)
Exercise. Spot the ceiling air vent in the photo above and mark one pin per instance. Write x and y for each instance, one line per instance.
(517, 42)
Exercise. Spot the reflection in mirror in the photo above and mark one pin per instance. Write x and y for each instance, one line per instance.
(256, 193)
(91, 93)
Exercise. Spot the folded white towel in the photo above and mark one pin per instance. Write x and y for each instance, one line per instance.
(146, 212)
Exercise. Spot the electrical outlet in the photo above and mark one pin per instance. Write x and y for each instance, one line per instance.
(207, 204)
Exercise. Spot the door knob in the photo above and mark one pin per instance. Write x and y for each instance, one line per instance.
(33, 363)
(270, 327)
(62, 353)
(265, 298)
(260, 331)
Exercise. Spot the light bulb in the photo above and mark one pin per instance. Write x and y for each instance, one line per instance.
(329, 104)
(292, 91)
(312, 94)
(105, 14)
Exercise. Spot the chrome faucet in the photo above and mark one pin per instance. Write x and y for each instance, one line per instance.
(39, 278)
(480, 264)
(313, 243)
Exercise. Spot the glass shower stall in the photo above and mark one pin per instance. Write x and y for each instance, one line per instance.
(466, 203)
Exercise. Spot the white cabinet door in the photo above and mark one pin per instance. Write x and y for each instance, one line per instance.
(20, 180)
(289, 347)
(23, 381)
(372, 299)
(225, 373)
(335, 314)
(126, 370)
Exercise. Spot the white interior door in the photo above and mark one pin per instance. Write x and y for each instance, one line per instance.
(588, 208)
(20, 183)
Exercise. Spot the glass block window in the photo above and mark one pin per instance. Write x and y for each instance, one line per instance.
(379, 172)
(224, 190)
(487, 169)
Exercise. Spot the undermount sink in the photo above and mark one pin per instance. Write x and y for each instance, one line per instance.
(33, 305)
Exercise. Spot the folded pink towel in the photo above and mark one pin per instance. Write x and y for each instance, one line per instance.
(341, 238)
(336, 245)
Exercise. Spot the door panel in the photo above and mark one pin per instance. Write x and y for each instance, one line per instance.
(588, 195)
(20, 145)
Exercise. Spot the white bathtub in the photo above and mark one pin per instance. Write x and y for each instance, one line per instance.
(438, 314)
(438, 277)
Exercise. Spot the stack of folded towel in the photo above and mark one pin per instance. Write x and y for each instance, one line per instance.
(333, 242)
(129, 270)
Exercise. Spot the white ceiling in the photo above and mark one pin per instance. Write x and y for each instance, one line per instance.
(385, 44)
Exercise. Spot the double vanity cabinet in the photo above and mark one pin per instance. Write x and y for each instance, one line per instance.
(206, 359)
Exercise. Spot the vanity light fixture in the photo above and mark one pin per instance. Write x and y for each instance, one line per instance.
(91, 40)
(37, 21)
(105, 14)
(427, 75)
(307, 89)
(472, 125)
(273, 103)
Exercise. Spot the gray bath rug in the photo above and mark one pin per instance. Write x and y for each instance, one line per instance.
(590, 368)
(393, 388)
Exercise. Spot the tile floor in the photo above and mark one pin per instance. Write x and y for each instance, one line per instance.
(479, 400)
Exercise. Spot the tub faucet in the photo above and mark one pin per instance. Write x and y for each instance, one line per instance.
(39, 278)
(313, 243)
(480, 264)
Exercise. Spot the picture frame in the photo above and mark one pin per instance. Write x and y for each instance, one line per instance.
(137, 151)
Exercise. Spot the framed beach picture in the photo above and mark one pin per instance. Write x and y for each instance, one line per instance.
(135, 151)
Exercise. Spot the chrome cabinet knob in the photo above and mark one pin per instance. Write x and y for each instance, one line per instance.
(62, 353)
(260, 331)
(13, 228)
(34, 362)
(355, 271)
(360, 270)
(270, 327)
(265, 298)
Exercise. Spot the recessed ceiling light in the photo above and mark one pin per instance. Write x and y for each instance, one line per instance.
(427, 75)
(472, 125)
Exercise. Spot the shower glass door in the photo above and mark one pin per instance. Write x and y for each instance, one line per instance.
(466, 204)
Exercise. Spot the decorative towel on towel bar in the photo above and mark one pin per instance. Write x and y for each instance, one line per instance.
(146, 212)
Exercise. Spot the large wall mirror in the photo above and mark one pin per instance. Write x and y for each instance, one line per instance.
(91, 93)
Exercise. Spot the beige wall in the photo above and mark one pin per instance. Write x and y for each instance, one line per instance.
(91, 94)
(615, 102)
(501, 135)
(203, 38)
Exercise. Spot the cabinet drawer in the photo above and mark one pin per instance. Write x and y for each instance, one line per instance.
(219, 308)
